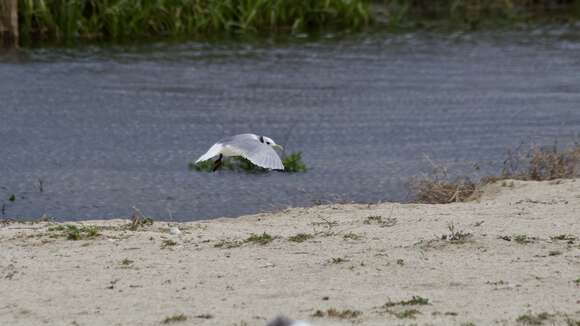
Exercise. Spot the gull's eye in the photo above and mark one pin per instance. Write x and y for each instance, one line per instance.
(268, 142)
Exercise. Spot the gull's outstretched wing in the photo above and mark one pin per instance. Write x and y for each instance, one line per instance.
(256, 152)
(213, 151)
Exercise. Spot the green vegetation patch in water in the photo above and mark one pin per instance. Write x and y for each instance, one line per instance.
(292, 163)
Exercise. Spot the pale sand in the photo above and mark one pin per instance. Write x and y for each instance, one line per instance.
(485, 280)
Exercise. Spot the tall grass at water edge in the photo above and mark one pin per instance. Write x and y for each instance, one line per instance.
(474, 13)
(117, 20)
(62, 20)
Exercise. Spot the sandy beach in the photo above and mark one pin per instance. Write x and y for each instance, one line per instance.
(511, 257)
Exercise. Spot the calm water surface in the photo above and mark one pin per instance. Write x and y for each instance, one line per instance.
(106, 129)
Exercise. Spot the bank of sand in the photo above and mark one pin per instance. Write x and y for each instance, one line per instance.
(359, 258)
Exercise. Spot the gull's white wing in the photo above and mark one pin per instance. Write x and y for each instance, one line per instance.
(256, 152)
(213, 151)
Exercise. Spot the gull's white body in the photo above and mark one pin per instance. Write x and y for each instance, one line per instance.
(257, 149)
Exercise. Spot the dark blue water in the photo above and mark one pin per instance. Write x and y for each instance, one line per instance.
(106, 129)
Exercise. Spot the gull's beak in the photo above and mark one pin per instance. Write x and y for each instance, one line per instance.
(278, 146)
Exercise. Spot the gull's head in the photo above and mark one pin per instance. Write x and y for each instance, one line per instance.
(270, 142)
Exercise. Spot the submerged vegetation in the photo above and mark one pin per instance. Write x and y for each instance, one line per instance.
(292, 163)
(535, 164)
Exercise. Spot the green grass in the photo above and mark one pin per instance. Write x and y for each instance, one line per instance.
(338, 260)
(300, 237)
(292, 163)
(564, 237)
(414, 301)
(68, 21)
(261, 239)
(228, 244)
(73, 232)
(127, 262)
(174, 319)
(530, 319)
(139, 221)
(65, 20)
(405, 314)
(168, 243)
(523, 239)
(338, 314)
(474, 14)
(352, 236)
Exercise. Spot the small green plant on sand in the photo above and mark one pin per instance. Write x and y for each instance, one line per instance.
(168, 243)
(531, 319)
(174, 319)
(405, 314)
(261, 239)
(414, 301)
(523, 239)
(570, 239)
(456, 235)
(138, 220)
(127, 262)
(74, 232)
(338, 260)
(352, 236)
(228, 244)
(300, 237)
(383, 222)
(338, 314)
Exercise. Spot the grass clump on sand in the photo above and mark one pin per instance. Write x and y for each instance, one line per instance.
(535, 164)
(530, 319)
(114, 20)
(174, 319)
(414, 301)
(438, 188)
(168, 243)
(228, 244)
(456, 235)
(300, 237)
(261, 239)
(138, 220)
(338, 314)
(73, 232)
(407, 313)
(292, 163)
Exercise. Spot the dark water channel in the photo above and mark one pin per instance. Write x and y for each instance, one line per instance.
(106, 129)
